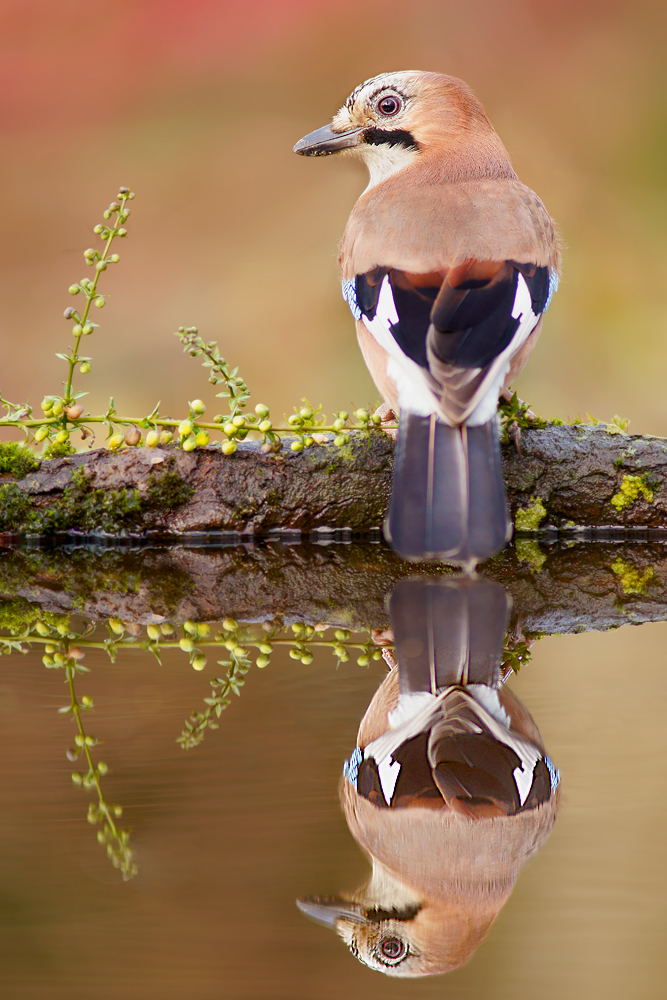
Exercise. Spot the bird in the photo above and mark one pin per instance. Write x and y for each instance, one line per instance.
(449, 789)
(448, 263)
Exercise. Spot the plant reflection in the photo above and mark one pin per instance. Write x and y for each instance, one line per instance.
(449, 790)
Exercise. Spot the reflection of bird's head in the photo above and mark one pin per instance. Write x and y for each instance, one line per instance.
(396, 118)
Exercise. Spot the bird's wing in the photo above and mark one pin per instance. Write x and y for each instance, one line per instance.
(451, 334)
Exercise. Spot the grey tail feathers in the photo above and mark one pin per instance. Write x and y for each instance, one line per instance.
(448, 500)
(448, 632)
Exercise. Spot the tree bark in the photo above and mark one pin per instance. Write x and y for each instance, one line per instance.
(570, 479)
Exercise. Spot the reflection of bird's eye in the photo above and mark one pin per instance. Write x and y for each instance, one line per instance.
(389, 105)
(392, 949)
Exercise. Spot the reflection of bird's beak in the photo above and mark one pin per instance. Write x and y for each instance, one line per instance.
(328, 911)
(324, 140)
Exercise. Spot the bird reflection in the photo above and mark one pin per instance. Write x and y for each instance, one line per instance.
(449, 789)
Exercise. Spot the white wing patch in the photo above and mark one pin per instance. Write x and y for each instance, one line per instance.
(388, 771)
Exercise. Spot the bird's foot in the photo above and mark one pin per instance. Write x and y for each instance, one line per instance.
(507, 395)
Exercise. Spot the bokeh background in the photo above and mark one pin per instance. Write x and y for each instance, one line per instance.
(196, 105)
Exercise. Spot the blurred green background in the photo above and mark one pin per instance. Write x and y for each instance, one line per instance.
(196, 106)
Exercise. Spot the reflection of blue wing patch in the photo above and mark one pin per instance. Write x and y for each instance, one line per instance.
(350, 296)
(351, 766)
(554, 773)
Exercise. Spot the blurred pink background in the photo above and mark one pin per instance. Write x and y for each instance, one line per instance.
(196, 106)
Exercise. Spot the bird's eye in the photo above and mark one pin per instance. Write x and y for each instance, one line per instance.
(392, 949)
(389, 105)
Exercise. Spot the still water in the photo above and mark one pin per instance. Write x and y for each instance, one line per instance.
(227, 834)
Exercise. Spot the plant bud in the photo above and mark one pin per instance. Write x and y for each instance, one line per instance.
(76, 653)
(116, 626)
(123, 190)
(230, 625)
(363, 661)
(47, 404)
(99, 302)
(185, 427)
(308, 442)
(198, 662)
(202, 439)
(339, 424)
(262, 661)
(58, 407)
(77, 330)
(305, 412)
(361, 415)
(74, 412)
(90, 253)
(121, 231)
(101, 265)
(102, 767)
(132, 436)
(229, 429)
(152, 439)
(307, 658)
(203, 630)
(99, 228)
(74, 289)
(190, 443)
(261, 410)
(166, 437)
(376, 419)
(190, 627)
(297, 446)
(76, 778)
(340, 440)
(113, 258)
(69, 312)
(153, 632)
(239, 421)
(88, 329)
(240, 651)
(265, 426)
(86, 702)
(228, 447)
(106, 213)
(266, 448)
(294, 419)
(115, 441)
(42, 629)
(343, 414)
(114, 206)
(85, 367)
(187, 645)
(48, 661)
(61, 437)
(197, 406)
(166, 628)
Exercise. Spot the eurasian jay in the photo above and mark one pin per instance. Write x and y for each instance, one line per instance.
(449, 789)
(448, 262)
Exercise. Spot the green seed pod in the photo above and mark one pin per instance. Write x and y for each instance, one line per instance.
(58, 407)
(228, 447)
(229, 429)
(85, 367)
(86, 701)
(48, 661)
(77, 330)
(343, 414)
(76, 778)
(230, 625)
(166, 437)
(344, 656)
(90, 252)
(294, 420)
(87, 329)
(297, 446)
(121, 231)
(202, 439)
(377, 419)
(59, 659)
(153, 632)
(74, 289)
(42, 629)
(262, 661)
(118, 811)
(339, 424)
(362, 415)
(377, 654)
(305, 412)
(265, 426)
(102, 767)
(230, 644)
(295, 654)
(117, 625)
(41, 433)
(185, 427)
(240, 651)
(47, 403)
(99, 302)
(307, 658)
(113, 258)
(308, 442)
(342, 634)
(49, 648)
(99, 228)
(132, 436)
(363, 661)
(106, 213)
(197, 406)
(266, 648)
(187, 645)
(190, 627)
(239, 421)
(152, 439)
(166, 628)
(340, 440)
(203, 630)
(79, 740)
(190, 443)
(101, 265)
(261, 410)
(198, 662)
(61, 437)
(115, 441)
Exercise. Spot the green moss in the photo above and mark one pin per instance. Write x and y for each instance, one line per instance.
(529, 551)
(530, 518)
(630, 490)
(631, 580)
(16, 460)
(16, 614)
(167, 491)
(59, 449)
(14, 508)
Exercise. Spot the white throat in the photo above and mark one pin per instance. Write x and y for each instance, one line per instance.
(385, 160)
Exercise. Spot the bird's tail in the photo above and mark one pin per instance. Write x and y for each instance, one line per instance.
(448, 632)
(448, 499)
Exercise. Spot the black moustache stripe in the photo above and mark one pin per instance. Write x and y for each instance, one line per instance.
(391, 137)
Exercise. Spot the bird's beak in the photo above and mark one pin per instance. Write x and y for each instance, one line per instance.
(328, 911)
(324, 141)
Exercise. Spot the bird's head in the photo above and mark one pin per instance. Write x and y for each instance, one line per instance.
(396, 119)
